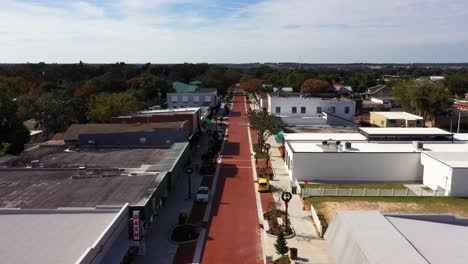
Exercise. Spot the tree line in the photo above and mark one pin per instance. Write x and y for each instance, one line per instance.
(58, 95)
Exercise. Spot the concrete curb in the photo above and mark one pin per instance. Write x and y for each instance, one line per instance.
(257, 195)
(206, 216)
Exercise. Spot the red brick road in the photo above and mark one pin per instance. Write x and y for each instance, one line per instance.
(234, 234)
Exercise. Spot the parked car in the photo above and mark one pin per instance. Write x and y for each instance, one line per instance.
(263, 185)
(220, 133)
(203, 194)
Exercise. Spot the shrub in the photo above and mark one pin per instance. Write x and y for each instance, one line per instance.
(281, 245)
(183, 216)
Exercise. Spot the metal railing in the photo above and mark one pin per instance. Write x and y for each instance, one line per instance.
(308, 192)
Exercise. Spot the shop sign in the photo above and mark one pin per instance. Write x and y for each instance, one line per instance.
(136, 225)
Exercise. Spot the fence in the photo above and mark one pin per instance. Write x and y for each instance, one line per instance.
(316, 219)
(307, 192)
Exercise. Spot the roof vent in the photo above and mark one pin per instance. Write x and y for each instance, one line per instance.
(82, 171)
(347, 145)
(35, 164)
(418, 145)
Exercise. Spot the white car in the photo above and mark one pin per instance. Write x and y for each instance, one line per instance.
(203, 194)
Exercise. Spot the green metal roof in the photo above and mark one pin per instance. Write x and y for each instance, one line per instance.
(180, 87)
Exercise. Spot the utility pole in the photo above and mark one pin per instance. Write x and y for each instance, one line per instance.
(459, 118)
(189, 171)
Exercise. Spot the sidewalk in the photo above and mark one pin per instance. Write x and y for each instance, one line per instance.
(159, 249)
(311, 248)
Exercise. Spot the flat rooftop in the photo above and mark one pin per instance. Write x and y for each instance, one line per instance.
(451, 159)
(50, 236)
(461, 136)
(75, 130)
(324, 136)
(305, 96)
(35, 189)
(372, 236)
(92, 158)
(399, 238)
(188, 110)
(403, 131)
(399, 115)
(450, 247)
(383, 147)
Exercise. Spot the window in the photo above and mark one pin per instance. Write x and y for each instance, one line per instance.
(196, 98)
(331, 109)
(278, 110)
(392, 121)
(294, 110)
(174, 98)
(382, 123)
(207, 98)
(346, 110)
(185, 98)
(319, 110)
(303, 110)
(142, 140)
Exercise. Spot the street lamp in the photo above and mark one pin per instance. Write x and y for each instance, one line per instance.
(286, 197)
(189, 171)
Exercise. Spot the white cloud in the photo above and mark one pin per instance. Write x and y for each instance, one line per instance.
(87, 9)
(273, 30)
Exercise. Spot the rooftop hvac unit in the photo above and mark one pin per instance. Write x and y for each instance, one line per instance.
(82, 171)
(35, 164)
(418, 145)
(324, 142)
(347, 145)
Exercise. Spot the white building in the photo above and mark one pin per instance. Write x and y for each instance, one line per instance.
(203, 97)
(296, 109)
(370, 237)
(436, 78)
(65, 235)
(440, 161)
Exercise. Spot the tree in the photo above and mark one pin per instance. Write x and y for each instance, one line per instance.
(12, 130)
(316, 86)
(281, 245)
(102, 107)
(457, 83)
(265, 125)
(380, 107)
(422, 97)
(252, 85)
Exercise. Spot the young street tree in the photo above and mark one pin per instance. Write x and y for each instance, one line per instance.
(422, 97)
(265, 124)
(281, 245)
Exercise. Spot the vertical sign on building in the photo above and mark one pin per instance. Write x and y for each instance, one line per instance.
(136, 225)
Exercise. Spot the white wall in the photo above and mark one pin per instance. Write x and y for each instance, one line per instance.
(459, 182)
(311, 104)
(296, 121)
(348, 167)
(191, 102)
(437, 175)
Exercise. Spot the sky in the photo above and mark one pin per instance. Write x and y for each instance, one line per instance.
(233, 31)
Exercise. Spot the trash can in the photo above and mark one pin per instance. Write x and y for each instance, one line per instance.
(293, 188)
(293, 253)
